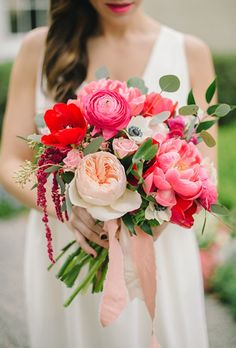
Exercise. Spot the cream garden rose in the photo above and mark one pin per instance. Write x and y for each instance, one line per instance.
(99, 186)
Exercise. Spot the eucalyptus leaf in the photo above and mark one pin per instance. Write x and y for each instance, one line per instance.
(207, 138)
(39, 120)
(67, 177)
(159, 118)
(138, 83)
(52, 169)
(191, 99)
(222, 110)
(211, 91)
(219, 209)
(93, 146)
(169, 83)
(188, 110)
(205, 125)
(102, 73)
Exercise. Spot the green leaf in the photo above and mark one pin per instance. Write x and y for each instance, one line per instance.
(34, 186)
(191, 100)
(146, 228)
(169, 83)
(93, 146)
(205, 125)
(138, 83)
(61, 183)
(219, 209)
(146, 151)
(211, 91)
(204, 223)
(102, 73)
(191, 128)
(211, 110)
(39, 120)
(160, 118)
(52, 169)
(128, 221)
(68, 203)
(207, 138)
(67, 177)
(188, 110)
(34, 137)
(222, 110)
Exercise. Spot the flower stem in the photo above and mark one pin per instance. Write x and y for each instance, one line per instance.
(89, 277)
(61, 253)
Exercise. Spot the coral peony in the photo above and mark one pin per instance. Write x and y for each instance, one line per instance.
(155, 104)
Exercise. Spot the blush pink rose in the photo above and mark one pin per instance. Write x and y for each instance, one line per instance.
(108, 112)
(99, 186)
(72, 159)
(132, 95)
(123, 147)
(155, 104)
(176, 172)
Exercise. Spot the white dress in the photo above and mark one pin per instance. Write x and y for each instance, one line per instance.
(180, 321)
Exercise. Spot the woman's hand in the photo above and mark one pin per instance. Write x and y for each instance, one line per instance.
(158, 230)
(84, 227)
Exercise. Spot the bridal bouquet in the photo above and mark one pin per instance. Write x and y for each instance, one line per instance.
(130, 158)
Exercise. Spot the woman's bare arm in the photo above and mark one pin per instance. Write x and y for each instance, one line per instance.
(19, 116)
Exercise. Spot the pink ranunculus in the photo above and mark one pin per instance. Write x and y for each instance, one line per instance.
(176, 172)
(155, 104)
(177, 126)
(108, 112)
(133, 95)
(99, 186)
(72, 159)
(123, 147)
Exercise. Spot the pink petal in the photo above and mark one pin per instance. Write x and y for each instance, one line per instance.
(160, 181)
(114, 296)
(142, 248)
(166, 197)
(186, 188)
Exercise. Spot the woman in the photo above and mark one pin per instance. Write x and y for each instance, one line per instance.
(83, 36)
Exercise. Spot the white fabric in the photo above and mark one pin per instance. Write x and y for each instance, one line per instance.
(180, 319)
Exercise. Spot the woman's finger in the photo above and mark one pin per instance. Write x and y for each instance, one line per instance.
(83, 243)
(87, 219)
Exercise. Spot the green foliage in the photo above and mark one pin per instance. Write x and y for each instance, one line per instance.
(5, 70)
(224, 284)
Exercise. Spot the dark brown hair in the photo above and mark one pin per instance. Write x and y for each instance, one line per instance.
(65, 65)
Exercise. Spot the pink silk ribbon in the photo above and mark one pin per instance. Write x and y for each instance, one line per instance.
(115, 294)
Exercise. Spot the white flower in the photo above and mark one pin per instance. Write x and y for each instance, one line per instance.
(129, 201)
(151, 213)
(140, 128)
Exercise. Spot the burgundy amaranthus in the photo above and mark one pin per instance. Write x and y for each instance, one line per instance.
(51, 156)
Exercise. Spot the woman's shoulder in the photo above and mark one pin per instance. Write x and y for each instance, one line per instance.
(34, 40)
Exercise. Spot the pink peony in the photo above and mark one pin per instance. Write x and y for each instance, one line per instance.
(175, 172)
(155, 104)
(208, 195)
(177, 126)
(132, 95)
(108, 112)
(72, 159)
(123, 147)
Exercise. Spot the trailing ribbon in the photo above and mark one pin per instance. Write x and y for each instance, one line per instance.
(135, 254)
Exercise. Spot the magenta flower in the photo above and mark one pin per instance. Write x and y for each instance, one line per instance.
(108, 112)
